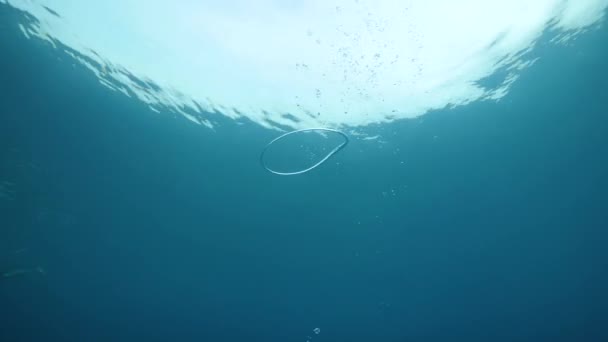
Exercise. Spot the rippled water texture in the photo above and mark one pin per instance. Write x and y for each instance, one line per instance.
(308, 63)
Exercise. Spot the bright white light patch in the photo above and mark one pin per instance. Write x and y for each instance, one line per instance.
(307, 63)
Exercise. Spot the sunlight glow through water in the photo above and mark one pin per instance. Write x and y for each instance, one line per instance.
(309, 63)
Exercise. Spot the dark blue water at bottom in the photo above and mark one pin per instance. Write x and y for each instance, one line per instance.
(486, 222)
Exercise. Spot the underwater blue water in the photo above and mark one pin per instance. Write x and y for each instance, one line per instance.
(487, 222)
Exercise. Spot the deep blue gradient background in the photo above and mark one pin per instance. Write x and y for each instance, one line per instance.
(481, 223)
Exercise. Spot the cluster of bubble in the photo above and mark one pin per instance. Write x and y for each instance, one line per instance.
(316, 331)
(365, 57)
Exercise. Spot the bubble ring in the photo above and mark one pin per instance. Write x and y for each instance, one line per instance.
(331, 153)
